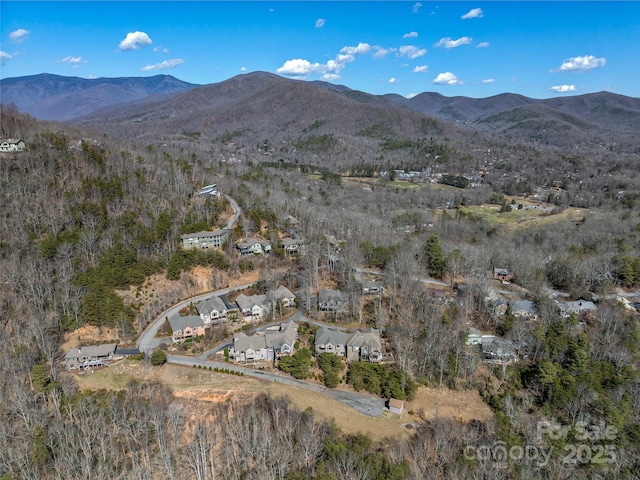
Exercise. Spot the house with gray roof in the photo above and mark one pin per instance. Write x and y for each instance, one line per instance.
(205, 239)
(524, 310)
(212, 310)
(332, 300)
(357, 346)
(268, 345)
(364, 346)
(331, 340)
(292, 245)
(285, 296)
(252, 307)
(251, 246)
(89, 356)
(582, 308)
(185, 328)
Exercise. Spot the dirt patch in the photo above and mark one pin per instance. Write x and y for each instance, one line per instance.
(464, 405)
(89, 335)
(197, 385)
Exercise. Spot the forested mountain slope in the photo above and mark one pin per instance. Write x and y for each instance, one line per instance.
(92, 211)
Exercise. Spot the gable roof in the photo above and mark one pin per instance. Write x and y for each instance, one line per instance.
(92, 351)
(180, 323)
(365, 339)
(210, 304)
(205, 234)
(243, 342)
(283, 292)
(328, 335)
(287, 335)
(248, 302)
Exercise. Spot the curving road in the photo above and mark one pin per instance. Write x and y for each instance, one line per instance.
(148, 341)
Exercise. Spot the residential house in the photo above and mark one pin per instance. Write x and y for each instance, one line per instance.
(252, 307)
(358, 346)
(232, 311)
(251, 246)
(332, 300)
(213, 310)
(11, 145)
(372, 288)
(285, 296)
(364, 346)
(204, 239)
(331, 340)
(269, 345)
(89, 356)
(292, 245)
(185, 328)
(524, 310)
(502, 274)
(474, 337)
(582, 308)
(497, 349)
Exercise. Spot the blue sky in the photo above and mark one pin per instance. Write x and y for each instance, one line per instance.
(476, 49)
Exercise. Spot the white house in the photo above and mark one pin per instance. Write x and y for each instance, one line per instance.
(252, 307)
(213, 310)
(11, 145)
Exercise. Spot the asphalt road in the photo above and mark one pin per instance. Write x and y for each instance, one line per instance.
(366, 404)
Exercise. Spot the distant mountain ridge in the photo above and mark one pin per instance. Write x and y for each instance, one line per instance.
(54, 97)
(272, 106)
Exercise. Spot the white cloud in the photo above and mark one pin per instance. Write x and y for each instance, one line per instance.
(447, 78)
(299, 67)
(411, 51)
(581, 64)
(361, 48)
(483, 45)
(243, 69)
(394, 80)
(564, 88)
(134, 41)
(382, 52)
(411, 95)
(473, 13)
(5, 56)
(173, 63)
(420, 69)
(161, 50)
(320, 22)
(489, 80)
(410, 35)
(19, 35)
(447, 42)
(73, 61)
(416, 7)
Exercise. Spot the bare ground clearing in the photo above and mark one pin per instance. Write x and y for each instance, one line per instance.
(193, 384)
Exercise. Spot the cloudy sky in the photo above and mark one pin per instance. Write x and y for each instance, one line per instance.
(477, 49)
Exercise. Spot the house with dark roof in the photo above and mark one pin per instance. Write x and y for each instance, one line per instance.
(11, 145)
(502, 274)
(205, 239)
(186, 328)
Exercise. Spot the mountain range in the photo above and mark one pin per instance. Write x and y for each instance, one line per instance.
(273, 106)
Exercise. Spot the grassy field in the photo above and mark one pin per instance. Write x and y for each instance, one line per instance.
(192, 384)
(525, 217)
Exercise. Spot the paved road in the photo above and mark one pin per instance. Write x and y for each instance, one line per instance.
(366, 404)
